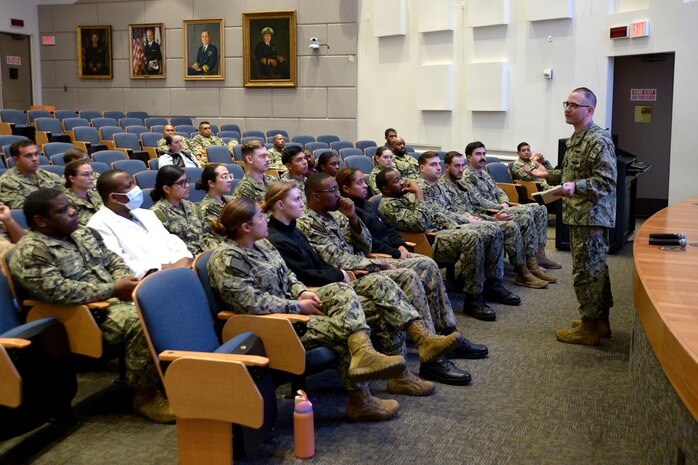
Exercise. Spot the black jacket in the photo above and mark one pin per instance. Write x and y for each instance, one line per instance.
(386, 239)
(300, 256)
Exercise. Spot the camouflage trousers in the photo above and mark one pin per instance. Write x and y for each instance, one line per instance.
(438, 313)
(479, 247)
(123, 326)
(514, 244)
(380, 305)
(533, 222)
(592, 282)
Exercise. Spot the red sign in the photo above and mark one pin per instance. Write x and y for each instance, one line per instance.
(13, 60)
(643, 95)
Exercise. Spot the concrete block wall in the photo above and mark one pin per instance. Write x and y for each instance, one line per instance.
(325, 101)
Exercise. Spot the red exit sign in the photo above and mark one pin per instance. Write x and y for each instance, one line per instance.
(643, 95)
(619, 32)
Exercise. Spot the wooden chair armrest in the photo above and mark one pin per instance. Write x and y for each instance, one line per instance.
(281, 343)
(84, 146)
(14, 343)
(109, 144)
(420, 241)
(292, 317)
(41, 138)
(247, 360)
(379, 255)
(11, 385)
(510, 190)
(84, 335)
(152, 152)
(238, 162)
(5, 129)
(226, 314)
(126, 152)
(214, 387)
(276, 173)
(410, 244)
(360, 272)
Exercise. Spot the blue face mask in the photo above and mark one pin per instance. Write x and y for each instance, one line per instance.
(135, 198)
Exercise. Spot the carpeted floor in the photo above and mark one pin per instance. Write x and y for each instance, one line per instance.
(533, 401)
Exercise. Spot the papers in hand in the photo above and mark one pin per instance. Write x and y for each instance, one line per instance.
(545, 197)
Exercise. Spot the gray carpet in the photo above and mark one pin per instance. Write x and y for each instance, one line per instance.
(533, 401)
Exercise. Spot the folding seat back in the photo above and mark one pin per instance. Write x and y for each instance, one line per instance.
(114, 114)
(231, 127)
(328, 138)
(342, 144)
(360, 162)
(130, 166)
(90, 114)
(34, 114)
(63, 114)
(178, 120)
(100, 122)
(124, 122)
(141, 115)
(313, 146)
(362, 144)
(154, 121)
(303, 139)
(218, 154)
(16, 117)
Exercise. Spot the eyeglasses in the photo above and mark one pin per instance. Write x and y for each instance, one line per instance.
(183, 182)
(261, 216)
(334, 190)
(225, 176)
(573, 106)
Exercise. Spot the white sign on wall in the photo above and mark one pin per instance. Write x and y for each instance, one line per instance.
(643, 95)
(14, 60)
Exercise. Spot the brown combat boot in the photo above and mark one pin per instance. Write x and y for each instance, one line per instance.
(535, 270)
(152, 405)
(364, 407)
(410, 384)
(604, 326)
(368, 364)
(526, 279)
(545, 262)
(586, 333)
(431, 346)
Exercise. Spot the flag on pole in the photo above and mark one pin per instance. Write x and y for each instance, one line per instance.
(137, 58)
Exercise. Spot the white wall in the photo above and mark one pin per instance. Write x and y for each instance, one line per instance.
(580, 54)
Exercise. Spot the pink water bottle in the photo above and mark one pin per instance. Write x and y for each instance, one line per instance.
(303, 426)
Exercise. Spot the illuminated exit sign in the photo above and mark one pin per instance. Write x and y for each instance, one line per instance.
(639, 29)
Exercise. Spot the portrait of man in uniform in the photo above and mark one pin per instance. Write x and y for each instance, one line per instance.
(147, 51)
(94, 52)
(204, 54)
(269, 49)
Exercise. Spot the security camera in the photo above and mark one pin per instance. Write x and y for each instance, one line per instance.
(314, 43)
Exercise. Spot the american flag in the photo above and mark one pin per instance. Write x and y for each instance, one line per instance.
(137, 58)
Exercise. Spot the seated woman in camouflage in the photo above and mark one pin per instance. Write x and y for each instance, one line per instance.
(382, 160)
(79, 187)
(216, 181)
(251, 277)
(180, 216)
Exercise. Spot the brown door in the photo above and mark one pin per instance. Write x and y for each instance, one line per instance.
(15, 66)
(643, 93)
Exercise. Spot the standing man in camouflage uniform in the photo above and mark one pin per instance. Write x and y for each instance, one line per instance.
(62, 263)
(26, 176)
(254, 183)
(403, 162)
(205, 139)
(480, 255)
(532, 168)
(296, 163)
(483, 190)
(342, 240)
(518, 247)
(277, 152)
(589, 208)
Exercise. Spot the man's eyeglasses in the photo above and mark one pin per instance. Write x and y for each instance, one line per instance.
(183, 182)
(573, 106)
(334, 190)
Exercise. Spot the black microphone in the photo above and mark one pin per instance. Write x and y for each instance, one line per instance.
(668, 236)
(670, 242)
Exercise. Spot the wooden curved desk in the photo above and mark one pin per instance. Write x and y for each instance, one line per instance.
(665, 287)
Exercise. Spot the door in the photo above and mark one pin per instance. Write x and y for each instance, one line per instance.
(15, 66)
(643, 92)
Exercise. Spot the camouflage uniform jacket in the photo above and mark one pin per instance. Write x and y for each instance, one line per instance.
(255, 280)
(372, 181)
(408, 213)
(407, 166)
(76, 271)
(517, 172)
(299, 183)
(210, 209)
(15, 187)
(275, 160)
(590, 162)
(483, 189)
(253, 189)
(163, 148)
(186, 223)
(336, 242)
(85, 207)
(199, 143)
(458, 198)
(437, 199)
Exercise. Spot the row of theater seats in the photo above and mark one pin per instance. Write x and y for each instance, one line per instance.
(238, 360)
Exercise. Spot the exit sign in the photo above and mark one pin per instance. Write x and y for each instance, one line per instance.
(639, 29)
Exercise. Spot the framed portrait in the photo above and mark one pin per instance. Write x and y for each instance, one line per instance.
(269, 49)
(204, 52)
(94, 52)
(147, 51)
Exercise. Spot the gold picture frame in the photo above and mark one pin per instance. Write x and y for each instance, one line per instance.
(269, 49)
(147, 51)
(204, 49)
(94, 52)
